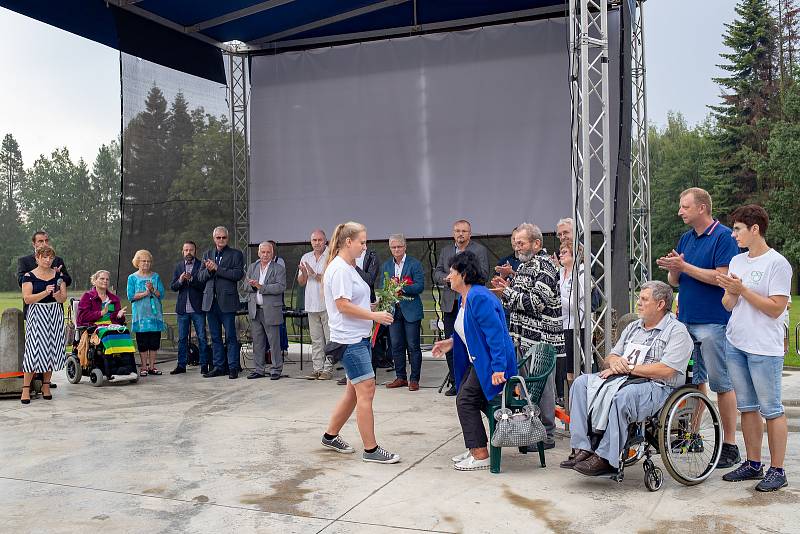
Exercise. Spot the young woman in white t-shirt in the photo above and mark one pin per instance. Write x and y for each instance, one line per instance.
(757, 289)
(350, 318)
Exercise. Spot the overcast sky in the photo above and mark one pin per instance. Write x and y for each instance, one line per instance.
(59, 89)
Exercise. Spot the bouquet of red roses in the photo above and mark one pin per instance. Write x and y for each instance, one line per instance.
(389, 295)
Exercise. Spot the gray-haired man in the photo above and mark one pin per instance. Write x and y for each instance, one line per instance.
(657, 347)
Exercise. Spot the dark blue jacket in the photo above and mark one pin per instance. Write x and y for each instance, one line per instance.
(488, 339)
(193, 290)
(411, 309)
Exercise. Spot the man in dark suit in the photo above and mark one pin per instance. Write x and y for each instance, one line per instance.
(405, 330)
(267, 281)
(221, 270)
(28, 263)
(462, 236)
(189, 307)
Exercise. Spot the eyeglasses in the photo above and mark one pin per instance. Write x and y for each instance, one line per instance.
(220, 237)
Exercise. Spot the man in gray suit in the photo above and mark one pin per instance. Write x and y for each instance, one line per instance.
(267, 280)
(462, 234)
(221, 270)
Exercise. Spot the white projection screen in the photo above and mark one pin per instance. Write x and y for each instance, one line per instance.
(408, 135)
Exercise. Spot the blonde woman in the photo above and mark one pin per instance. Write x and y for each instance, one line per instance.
(145, 291)
(350, 318)
(44, 291)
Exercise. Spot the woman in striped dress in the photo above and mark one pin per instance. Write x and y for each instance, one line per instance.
(44, 291)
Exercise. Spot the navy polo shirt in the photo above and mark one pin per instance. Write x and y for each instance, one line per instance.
(701, 303)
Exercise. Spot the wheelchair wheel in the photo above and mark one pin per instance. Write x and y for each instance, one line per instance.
(653, 478)
(97, 377)
(689, 436)
(74, 371)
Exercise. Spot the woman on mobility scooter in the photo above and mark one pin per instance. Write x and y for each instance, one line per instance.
(104, 349)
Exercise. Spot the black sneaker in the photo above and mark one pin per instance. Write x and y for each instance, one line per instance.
(774, 480)
(729, 456)
(744, 472)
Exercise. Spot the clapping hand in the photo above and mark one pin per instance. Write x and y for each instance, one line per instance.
(672, 262)
(730, 283)
(120, 313)
(254, 283)
(149, 286)
(210, 265)
(504, 270)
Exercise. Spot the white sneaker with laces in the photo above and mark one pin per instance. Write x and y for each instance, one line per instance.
(463, 456)
(471, 464)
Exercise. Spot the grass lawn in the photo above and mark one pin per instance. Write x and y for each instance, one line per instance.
(14, 299)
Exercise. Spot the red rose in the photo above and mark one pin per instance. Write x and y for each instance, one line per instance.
(407, 280)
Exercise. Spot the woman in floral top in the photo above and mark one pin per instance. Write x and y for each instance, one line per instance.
(145, 291)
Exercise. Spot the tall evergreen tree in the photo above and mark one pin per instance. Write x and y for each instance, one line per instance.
(12, 171)
(749, 100)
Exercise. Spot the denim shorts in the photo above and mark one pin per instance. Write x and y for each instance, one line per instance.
(357, 361)
(710, 363)
(757, 381)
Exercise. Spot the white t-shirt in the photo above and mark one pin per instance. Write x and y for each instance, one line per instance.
(343, 281)
(313, 294)
(565, 287)
(459, 328)
(749, 329)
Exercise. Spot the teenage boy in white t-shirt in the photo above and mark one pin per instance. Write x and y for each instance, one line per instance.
(756, 292)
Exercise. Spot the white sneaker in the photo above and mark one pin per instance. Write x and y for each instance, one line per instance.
(463, 456)
(471, 464)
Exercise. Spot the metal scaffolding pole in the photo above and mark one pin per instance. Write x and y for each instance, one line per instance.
(240, 155)
(639, 214)
(593, 201)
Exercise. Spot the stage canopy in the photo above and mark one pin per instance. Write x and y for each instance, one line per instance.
(187, 34)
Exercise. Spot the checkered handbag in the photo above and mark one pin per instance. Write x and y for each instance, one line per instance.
(517, 429)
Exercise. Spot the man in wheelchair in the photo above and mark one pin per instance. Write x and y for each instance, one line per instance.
(640, 373)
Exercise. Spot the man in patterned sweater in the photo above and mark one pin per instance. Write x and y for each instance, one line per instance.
(533, 299)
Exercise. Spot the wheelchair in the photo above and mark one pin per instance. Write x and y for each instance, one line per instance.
(100, 368)
(686, 432)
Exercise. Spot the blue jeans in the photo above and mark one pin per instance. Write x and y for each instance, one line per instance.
(757, 381)
(185, 322)
(405, 336)
(710, 365)
(217, 320)
(357, 361)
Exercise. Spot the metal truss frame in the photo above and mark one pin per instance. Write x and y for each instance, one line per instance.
(238, 97)
(639, 214)
(591, 173)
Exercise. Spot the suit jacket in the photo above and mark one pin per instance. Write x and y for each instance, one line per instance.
(449, 296)
(221, 284)
(411, 309)
(192, 289)
(28, 263)
(271, 292)
(370, 272)
(489, 343)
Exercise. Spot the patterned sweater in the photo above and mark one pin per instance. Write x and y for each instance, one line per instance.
(534, 300)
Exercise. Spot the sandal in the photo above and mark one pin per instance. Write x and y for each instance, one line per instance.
(143, 372)
(46, 397)
(28, 400)
(154, 371)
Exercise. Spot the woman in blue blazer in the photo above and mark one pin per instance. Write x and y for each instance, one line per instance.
(483, 355)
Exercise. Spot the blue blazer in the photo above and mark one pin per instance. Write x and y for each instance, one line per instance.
(193, 290)
(411, 309)
(488, 339)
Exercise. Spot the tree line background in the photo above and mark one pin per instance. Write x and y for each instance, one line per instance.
(748, 148)
(177, 166)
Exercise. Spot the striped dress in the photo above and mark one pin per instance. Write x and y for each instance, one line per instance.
(44, 331)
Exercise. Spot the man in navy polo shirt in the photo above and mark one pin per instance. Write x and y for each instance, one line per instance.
(701, 254)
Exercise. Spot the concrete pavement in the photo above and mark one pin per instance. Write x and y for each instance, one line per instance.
(187, 454)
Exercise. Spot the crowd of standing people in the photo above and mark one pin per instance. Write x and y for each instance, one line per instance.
(731, 306)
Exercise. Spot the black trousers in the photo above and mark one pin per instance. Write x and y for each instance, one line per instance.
(449, 319)
(470, 404)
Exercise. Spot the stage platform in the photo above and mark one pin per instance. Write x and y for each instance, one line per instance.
(187, 454)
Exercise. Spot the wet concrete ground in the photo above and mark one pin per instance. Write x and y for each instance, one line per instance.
(187, 454)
